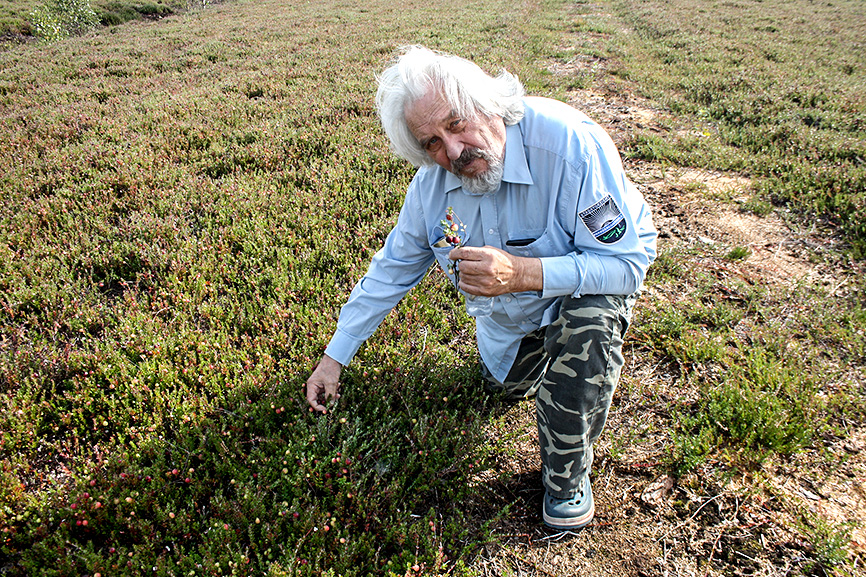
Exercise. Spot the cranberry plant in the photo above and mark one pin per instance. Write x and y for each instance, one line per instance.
(187, 204)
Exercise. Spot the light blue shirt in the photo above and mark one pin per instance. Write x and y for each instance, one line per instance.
(564, 196)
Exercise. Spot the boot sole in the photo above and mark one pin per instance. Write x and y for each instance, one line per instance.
(571, 522)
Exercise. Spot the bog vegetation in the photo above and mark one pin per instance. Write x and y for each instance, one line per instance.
(55, 19)
(188, 202)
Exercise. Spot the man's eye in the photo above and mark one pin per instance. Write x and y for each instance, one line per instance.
(457, 124)
(433, 144)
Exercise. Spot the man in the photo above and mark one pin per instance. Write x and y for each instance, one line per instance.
(556, 233)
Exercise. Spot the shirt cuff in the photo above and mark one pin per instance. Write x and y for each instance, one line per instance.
(343, 347)
(561, 276)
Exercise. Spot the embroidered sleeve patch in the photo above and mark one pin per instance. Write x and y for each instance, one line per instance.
(605, 221)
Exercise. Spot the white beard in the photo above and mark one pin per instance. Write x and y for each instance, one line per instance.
(487, 181)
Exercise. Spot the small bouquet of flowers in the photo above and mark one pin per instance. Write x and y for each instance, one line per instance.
(453, 228)
(455, 236)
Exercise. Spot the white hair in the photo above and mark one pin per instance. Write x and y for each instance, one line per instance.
(469, 91)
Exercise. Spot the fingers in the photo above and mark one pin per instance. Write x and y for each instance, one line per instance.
(320, 393)
(313, 392)
(490, 271)
(483, 270)
(475, 263)
(468, 253)
(332, 390)
(324, 384)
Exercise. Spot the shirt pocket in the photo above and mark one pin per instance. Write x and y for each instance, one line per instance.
(530, 243)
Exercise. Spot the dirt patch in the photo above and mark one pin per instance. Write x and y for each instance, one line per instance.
(694, 206)
(620, 115)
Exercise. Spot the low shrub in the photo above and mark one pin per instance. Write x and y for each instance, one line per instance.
(58, 19)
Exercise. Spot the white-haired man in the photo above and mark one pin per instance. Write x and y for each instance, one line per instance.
(555, 234)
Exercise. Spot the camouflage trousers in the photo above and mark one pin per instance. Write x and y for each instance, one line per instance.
(571, 367)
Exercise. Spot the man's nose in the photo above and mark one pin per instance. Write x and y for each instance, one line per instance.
(454, 148)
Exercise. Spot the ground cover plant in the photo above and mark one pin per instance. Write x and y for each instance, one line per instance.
(59, 19)
(15, 18)
(189, 201)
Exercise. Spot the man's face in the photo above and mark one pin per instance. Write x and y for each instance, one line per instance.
(474, 150)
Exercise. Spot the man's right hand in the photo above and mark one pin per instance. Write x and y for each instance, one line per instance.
(324, 383)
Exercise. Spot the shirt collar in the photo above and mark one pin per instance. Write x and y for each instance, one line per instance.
(516, 167)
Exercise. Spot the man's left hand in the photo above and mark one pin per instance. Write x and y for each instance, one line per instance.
(489, 271)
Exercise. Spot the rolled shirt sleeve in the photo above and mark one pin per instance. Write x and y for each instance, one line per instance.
(588, 273)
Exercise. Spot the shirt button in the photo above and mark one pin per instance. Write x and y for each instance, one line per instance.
(508, 299)
(490, 231)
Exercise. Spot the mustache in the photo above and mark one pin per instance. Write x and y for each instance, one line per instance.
(466, 157)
